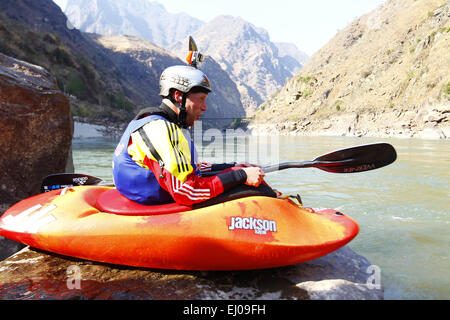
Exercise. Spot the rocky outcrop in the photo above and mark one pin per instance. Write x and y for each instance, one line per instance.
(32, 274)
(385, 74)
(35, 128)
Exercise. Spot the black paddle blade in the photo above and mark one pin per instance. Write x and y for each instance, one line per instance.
(63, 180)
(357, 159)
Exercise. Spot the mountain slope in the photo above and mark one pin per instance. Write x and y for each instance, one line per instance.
(36, 31)
(141, 18)
(247, 54)
(387, 73)
(148, 62)
(254, 63)
(291, 56)
(106, 85)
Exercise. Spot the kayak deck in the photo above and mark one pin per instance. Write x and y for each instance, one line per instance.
(248, 233)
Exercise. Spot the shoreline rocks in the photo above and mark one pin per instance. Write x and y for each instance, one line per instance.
(33, 274)
(425, 123)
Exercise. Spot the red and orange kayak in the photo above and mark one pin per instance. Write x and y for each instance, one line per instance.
(96, 223)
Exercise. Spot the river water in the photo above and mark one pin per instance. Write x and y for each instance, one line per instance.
(402, 209)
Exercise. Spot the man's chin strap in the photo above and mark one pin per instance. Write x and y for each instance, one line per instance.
(183, 113)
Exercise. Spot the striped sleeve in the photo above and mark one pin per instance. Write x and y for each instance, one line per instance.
(186, 190)
(205, 167)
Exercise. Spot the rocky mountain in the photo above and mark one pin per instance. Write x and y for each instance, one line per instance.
(385, 74)
(141, 18)
(247, 54)
(257, 66)
(106, 86)
(292, 57)
(139, 62)
(148, 61)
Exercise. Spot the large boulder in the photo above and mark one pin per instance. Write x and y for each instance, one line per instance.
(36, 128)
(32, 274)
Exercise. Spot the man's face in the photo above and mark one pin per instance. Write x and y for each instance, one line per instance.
(195, 107)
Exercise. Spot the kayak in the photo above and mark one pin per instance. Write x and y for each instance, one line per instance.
(97, 223)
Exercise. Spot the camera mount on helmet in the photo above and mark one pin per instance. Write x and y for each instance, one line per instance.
(194, 57)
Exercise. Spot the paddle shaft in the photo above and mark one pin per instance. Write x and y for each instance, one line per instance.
(298, 165)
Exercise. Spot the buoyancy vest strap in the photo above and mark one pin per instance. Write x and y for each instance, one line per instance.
(182, 163)
(153, 151)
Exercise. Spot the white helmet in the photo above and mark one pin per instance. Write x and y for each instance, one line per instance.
(183, 78)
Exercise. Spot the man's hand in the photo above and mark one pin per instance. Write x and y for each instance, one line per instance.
(255, 176)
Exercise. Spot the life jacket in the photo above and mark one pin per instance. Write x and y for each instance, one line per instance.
(131, 180)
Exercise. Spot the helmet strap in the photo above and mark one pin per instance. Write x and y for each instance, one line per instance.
(181, 119)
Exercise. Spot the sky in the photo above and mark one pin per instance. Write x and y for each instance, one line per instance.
(309, 24)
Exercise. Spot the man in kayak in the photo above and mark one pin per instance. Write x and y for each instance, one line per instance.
(156, 162)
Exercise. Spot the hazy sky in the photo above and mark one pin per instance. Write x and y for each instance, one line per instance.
(309, 24)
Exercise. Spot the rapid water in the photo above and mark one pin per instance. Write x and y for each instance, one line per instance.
(402, 209)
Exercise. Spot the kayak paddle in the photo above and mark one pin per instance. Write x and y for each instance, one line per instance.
(350, 160)
(355, 159)
(63, 180)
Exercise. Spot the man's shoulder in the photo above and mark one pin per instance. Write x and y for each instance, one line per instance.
(161, 125)
(148, 112)
(156, 123)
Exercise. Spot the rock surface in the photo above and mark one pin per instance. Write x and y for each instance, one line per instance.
(35, 128)
(32, 274)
